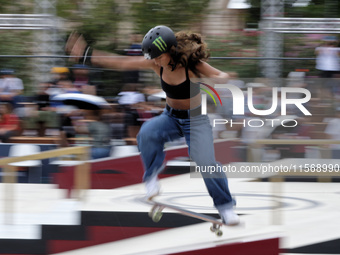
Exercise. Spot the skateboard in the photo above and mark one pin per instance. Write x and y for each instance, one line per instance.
(156, 214)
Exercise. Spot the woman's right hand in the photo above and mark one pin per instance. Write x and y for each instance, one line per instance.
(75, 46)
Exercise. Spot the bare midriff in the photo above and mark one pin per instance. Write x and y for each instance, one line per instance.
(184, 104)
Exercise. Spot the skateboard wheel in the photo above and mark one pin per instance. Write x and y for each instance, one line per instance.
(219, 232)
(156, 217)
(153, 211)
(215, 227)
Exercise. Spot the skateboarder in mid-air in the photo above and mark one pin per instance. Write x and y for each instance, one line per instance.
(176, 58)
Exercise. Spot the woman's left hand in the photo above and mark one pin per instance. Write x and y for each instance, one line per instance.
(75, 46)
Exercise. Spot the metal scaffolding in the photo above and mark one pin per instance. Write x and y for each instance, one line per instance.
(26, 21)
(271, 43)
(47, 36)
(48, 41)
(274, 25)
(302, 25)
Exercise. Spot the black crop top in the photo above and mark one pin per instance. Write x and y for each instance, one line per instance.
(185, 90)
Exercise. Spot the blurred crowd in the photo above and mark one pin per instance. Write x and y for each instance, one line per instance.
(42, 116)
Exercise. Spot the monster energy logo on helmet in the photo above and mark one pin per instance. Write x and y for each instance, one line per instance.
(158, 41)
(161, 45)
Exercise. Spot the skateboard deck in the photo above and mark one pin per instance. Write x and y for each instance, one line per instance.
(156, 214)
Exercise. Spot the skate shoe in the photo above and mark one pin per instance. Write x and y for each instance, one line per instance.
(229, 217)
(152, 188)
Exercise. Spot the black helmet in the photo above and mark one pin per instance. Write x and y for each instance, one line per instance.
(158, 41)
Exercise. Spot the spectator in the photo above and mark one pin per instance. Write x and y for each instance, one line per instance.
(99, 131)
(42, 116)
(328, 62)
(81, 76)
(327, 57)
(9, 123)
(130, 95)
(68, 116)
(60, 73)
(10, 87)
(217, 130)
(332, 132)
(67, 86)
(129, 100)
(62, 86)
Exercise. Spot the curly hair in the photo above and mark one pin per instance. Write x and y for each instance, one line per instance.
(190, 50)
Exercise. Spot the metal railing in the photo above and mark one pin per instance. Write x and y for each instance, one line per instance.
(294, 167)
(81, 180)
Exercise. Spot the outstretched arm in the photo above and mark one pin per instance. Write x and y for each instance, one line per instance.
(211, 72)
(78, 48)
(107, 60)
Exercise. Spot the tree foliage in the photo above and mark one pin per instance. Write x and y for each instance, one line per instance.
(314, 9)
(9, 6)
(177, 14)
(95, 19)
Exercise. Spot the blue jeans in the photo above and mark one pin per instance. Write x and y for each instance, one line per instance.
(198, 135)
